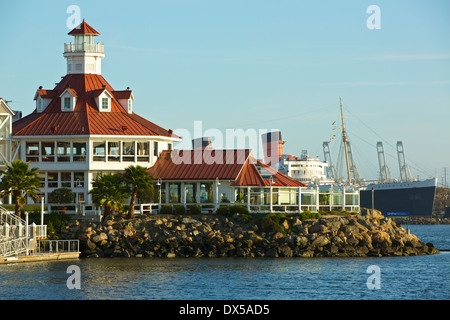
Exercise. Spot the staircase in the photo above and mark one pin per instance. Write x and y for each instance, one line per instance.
(14, 236)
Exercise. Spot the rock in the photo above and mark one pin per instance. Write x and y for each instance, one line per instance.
(91, 245)
(320, 241)
(285, 251)
(171, 255)
(318, 228)
(188, 220)
(285, 224)
(277, 236)
(381, 238)
(100, 237)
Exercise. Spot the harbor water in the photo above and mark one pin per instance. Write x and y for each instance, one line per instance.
(399, 278)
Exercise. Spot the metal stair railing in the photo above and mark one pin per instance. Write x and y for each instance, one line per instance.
(14, 242)
(9, 217)
(13, 247)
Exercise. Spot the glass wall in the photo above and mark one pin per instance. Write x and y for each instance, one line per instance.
(206, 192)
(191, 192)
(32, 151)
(175, 193)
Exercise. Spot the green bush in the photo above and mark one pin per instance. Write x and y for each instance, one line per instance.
(195, 209)
(223, 211)
(166, 209)
(56, 222)
(309, 215)
(179, 209)
(238, 209)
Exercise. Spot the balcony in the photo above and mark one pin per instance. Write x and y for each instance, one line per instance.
(83, 47)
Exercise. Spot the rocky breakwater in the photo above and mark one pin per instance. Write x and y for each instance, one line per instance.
(367, 234)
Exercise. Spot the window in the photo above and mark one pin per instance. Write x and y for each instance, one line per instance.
(143, 151)
(78, 179)
(155, 148)
(174, 193)
(130, 105)
(191, 192)
(206, 192)
(67, 103)
(105, 105)
(39, 103)
(66, 179)
(79, 151)
(41, 176)
(52, 179)
(99, 151)
(113, 151)
(48, 151)
(128, 151)
(32, 151)
(63, 151)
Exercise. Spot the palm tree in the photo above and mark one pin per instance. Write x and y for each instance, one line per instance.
(110, 192)
(137, 178)
(21, 181)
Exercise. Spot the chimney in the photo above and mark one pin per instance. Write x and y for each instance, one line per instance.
(202, 143)
(272, 148)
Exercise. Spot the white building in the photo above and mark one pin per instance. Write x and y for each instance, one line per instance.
(83, 126)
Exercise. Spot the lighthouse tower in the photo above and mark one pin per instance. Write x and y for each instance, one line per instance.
(83, 55)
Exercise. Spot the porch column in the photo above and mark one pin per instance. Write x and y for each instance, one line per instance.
(299, 199)
(343, 197)
(248, 199)
(317, 198)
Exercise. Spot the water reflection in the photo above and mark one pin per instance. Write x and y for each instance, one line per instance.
(226, 278)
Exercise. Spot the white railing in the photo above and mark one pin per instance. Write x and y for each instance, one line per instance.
(84, 47)
(57, 246)
(13, 247)
(9, 217)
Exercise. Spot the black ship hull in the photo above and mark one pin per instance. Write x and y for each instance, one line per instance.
(415, 201)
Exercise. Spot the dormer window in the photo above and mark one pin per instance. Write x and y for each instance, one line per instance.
(43, 98)
(125, 98)
(103, 99)
(68, 99)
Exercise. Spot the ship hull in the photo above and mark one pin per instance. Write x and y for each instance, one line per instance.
(415, 198)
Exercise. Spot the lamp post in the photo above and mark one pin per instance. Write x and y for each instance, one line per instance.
(271, 202)
(217, 193)
(159, 184)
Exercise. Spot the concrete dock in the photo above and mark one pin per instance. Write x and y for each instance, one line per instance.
(40, 257)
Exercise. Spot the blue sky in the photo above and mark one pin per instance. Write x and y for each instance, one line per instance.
(259, 65)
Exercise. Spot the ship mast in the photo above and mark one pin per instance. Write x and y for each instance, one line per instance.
(344, 139)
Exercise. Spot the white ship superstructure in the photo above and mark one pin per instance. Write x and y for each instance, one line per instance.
(305, 169)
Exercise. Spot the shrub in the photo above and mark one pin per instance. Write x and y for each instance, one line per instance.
(166, 209)
(238, 209)
(179, 209)
(195, 209)
(309, 215)
(223, 211)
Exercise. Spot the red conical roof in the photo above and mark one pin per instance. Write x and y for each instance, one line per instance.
(84, 28)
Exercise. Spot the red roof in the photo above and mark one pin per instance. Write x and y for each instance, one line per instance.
(84, 28)
(238, 166)
(86, 119)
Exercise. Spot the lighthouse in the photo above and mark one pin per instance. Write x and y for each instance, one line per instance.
(83, 54)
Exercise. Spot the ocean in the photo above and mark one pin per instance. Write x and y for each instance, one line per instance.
(372, 278)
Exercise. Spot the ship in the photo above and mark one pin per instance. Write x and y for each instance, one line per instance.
(404, 197)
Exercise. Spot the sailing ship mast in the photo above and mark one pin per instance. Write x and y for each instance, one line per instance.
(344, 139)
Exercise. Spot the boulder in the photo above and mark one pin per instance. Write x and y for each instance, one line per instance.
(320, 241)
(100, 237)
